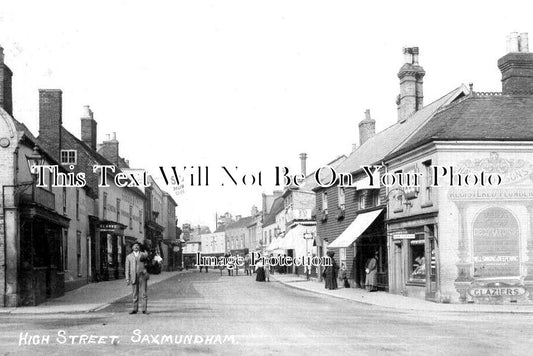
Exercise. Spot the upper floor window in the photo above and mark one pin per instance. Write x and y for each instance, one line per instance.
(131, 218)
(104, 207)
(118, 210)
(324, 201)
(69, 157)
(361, 200)
(342, 198)
(375, 197)
(428, 181)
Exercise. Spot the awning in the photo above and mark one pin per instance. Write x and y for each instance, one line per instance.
(294, 238)
(356, 228)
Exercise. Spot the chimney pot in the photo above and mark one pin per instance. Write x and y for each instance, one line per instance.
(303, 159)
(411, 75)
(517, 66)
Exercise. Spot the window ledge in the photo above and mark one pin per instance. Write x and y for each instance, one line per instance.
(416, 283)
(427, 205)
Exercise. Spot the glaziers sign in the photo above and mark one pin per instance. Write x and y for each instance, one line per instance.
(496, 291)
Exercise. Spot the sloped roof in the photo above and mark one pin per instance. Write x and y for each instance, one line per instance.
(475, 118)
(241, 223)
(277, 207)
(311, 182)
(376, 148)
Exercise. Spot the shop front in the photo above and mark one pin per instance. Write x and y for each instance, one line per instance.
(356, 245)
(413, 257)
(112, 250)
(41, 274)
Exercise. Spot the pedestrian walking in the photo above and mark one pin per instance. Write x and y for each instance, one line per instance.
(137, 276)
(330, 273)
(267, 268)
(371, 270)
(260, 272)
(247, 265)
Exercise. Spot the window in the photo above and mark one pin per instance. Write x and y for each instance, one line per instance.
(417, 259)
(375, 197)
(131, 218)
(104, 207)
(140, 221)
(78, 252)
(429, 179)
(118, 210)
(65, 249)
(361, 200)
(325, 202)
(64, 200)
(342, 198)
(77, 204)
(68, 157)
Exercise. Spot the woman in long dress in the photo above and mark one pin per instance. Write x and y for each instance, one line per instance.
(260, 271)
(371, 270)
(330, 272)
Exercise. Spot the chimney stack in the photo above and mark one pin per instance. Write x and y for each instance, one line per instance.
(411, 75)
(109, 149)
(367, 128)
(6, 96)
(51, 119)
(303, 159)
(88, 128)
(517, 66)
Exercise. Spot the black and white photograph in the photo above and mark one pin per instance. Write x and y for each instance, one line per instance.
(231, 177)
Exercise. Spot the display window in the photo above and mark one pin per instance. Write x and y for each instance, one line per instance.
(417, 260)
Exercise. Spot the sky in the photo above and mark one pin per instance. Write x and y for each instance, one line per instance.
(247, 84)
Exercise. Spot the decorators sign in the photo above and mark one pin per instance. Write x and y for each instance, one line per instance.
(496, 244)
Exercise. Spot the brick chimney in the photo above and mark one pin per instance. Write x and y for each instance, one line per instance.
(88, 127)
(6, 97)
(367, 128)
(517, 65)
(51, 119)
(109, 149)
(411, 75)
(303, 163)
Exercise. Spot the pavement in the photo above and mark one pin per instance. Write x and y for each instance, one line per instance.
(394, 301)
(90, 297)
(213, 314)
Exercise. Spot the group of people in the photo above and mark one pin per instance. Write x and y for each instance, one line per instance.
(331, 273)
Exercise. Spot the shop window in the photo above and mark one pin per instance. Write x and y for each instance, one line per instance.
(417, 260)
(65, 249)
(77, 204)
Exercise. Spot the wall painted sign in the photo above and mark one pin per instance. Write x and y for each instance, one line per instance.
(496, 244)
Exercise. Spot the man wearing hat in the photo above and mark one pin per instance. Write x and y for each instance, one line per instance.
(138, 276)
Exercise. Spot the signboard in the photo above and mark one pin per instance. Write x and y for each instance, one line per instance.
(110, 227)
(403, 236)
(507, 291)
(496, 244)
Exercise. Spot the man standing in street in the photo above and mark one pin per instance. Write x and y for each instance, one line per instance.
(138, 276)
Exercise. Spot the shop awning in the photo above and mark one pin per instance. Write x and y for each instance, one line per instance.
(356, 228)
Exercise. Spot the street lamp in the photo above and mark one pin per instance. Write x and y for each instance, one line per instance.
(34, 160)
(307, 236)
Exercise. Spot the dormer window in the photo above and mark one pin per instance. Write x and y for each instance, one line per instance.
(69, 157)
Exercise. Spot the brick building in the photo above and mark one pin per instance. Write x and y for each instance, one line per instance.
(351, 220)
(469, 243)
